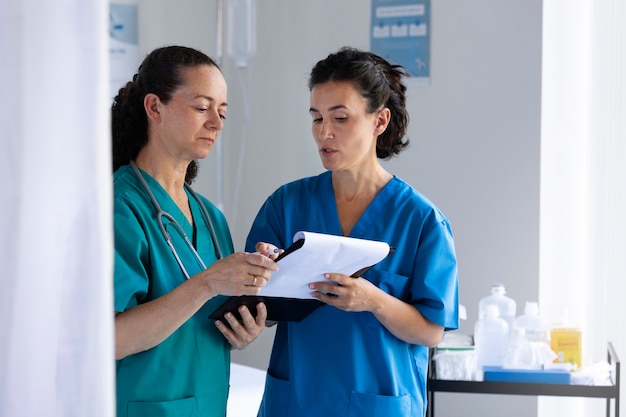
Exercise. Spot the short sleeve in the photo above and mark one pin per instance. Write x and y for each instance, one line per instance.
(436, 295)
(268, 225)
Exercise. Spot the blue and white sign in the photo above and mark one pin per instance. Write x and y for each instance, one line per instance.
(400, 32)
(123, 43)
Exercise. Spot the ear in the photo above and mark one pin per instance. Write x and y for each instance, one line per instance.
(382, 120)
(151, 104)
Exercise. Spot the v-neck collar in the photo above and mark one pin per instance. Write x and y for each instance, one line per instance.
(369, 216)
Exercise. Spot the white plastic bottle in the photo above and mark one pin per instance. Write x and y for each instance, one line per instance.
(535, 328)
(506, 306)
(490, 338)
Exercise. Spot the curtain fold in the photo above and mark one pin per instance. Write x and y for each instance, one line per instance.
(583, 179)
(56, 246)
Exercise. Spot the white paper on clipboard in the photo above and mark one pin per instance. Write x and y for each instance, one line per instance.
(321, 253)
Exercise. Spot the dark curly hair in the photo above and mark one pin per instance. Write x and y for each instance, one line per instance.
(160, 73)
(379, 82)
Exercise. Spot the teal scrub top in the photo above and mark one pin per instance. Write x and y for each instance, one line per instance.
(188, 373)
(335, 363)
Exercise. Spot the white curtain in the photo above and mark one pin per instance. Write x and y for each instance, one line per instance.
(56, 320)
(583, 179)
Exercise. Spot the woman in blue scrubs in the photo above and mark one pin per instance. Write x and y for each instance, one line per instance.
(171, 359)
(365, 353)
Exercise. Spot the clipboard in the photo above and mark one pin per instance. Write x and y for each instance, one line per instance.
(278, 308)
(295, 309)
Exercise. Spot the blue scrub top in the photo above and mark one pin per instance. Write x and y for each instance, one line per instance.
(337, 363)
(187, 374)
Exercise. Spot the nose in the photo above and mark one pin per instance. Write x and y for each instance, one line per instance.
(325, 131)
(214, 121)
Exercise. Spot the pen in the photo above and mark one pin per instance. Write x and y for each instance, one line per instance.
(270, 251)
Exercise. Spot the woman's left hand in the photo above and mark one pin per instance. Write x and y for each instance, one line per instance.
(346, 293)
(402, 319)
(243, 332)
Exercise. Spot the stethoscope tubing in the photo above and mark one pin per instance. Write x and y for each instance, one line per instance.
(160, 213)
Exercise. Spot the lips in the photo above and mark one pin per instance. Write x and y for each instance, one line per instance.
(327, 151)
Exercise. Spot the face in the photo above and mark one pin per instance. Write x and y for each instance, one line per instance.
(344, 132)
(189, 124)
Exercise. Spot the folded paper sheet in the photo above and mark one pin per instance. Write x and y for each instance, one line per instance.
(319, 254)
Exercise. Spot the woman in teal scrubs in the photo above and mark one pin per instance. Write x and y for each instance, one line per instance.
(365, 353)
(171, 359)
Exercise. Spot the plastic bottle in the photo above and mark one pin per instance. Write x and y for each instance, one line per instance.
(506, 305)
(490, 338)
(535, 328)
(241, 31)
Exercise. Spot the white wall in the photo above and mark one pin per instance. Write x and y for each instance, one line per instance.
(475, 133)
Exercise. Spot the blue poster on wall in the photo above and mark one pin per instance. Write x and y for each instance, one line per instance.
(400, 32)
(123, 42)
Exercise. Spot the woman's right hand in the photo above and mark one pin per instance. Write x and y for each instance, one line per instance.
(269, 250)
(241, 273)
(144, 326)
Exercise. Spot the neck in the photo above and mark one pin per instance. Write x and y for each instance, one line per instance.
(170, 176)
(349, 185)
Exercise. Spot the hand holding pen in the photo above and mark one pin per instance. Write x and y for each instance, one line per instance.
(268, 250)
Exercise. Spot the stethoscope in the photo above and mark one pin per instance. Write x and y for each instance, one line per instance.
(160, 213)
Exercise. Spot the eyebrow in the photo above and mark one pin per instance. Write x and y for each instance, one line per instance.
(224, 104)
(337, 107)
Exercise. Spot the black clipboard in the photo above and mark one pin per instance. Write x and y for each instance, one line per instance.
(278, 308)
